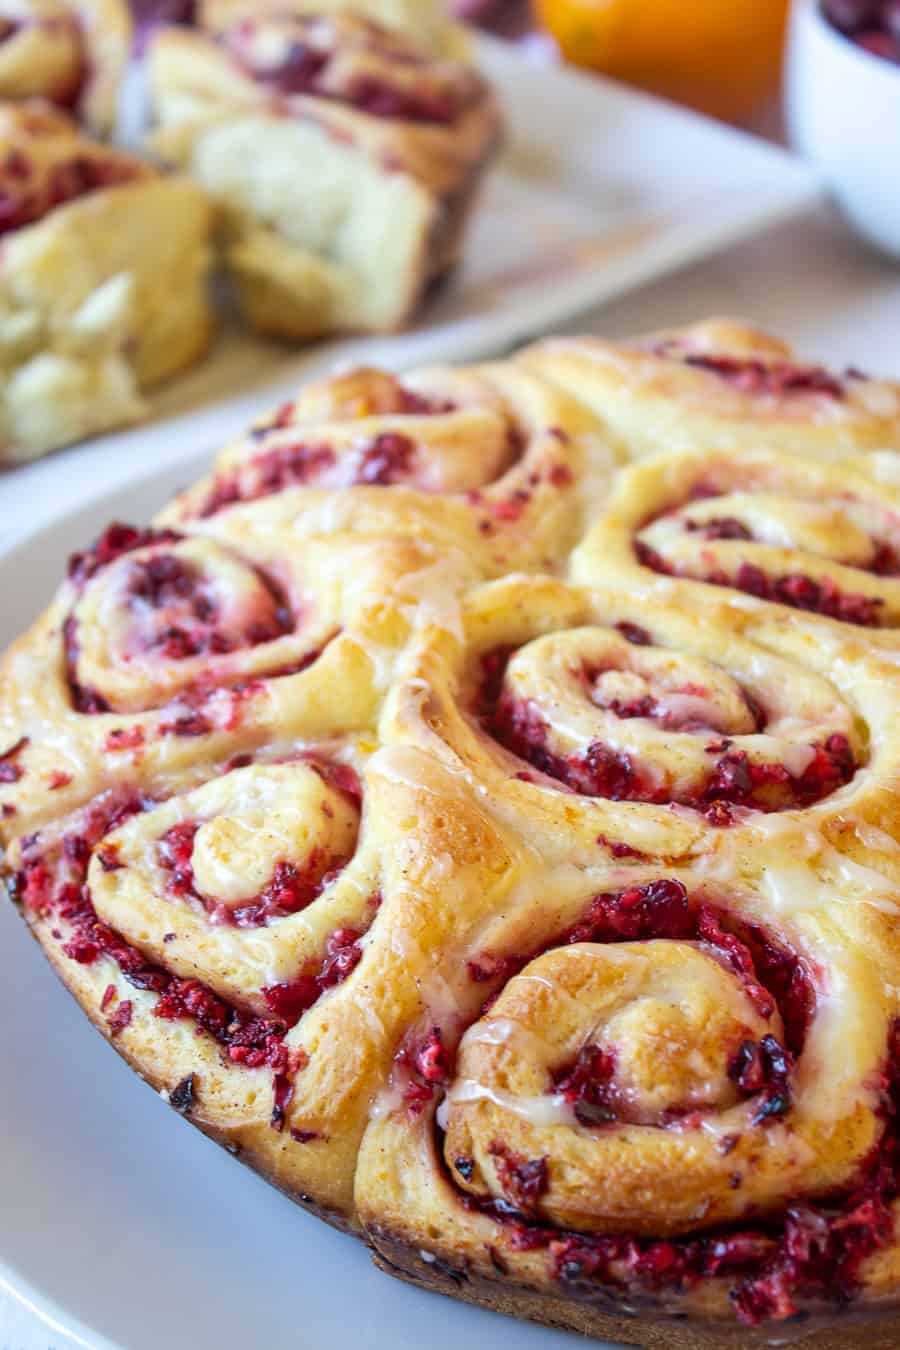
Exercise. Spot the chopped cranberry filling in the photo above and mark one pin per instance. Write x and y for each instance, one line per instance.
(121, 1018)
(720, 527)
(431, 1060)
(634, 633)
(764, 1066)
(422, 1066)
(522, 1180)
(385, 460)
(381, 99)
(388, 459)
(587, 1085)
(291, 889)
(778, 378)
(600, 771)
(658, 909)
(23, 202)
(178, 589)
(795, 589)
(191, 723)
(269, 473)
(421, 405)
(303, 69)
(125, 738)
(343, 953)
(115, 540)
(298, 70)
(175, 851)
(802, 592)
(10, 770)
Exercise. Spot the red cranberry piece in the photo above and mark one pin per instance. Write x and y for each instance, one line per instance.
(121, 1018)
(587, 1085)
(388, 459)
(10, 770)
(523, 1180)
(720, 527)
(634, 633)
(431, 1059)
(659, 909)
(297, 73)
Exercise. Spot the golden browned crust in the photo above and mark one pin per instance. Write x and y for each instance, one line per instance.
(540, 932)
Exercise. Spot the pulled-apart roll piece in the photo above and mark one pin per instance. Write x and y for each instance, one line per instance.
(344, 159)
(103, 282)
(70, 52)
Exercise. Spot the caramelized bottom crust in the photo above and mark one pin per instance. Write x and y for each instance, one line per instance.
(875, 1328)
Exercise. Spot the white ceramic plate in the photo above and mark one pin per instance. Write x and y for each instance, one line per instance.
(599, 189)
(119, 1222)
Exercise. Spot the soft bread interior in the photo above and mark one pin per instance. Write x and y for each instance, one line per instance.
(319, 235)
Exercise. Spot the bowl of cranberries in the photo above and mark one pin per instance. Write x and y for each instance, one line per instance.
(843, 106)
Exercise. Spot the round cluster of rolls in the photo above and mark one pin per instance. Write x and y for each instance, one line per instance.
(494, 841)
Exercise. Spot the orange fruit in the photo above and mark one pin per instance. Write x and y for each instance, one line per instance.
(720, 56)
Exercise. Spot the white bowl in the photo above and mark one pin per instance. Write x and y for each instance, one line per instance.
(843, 113)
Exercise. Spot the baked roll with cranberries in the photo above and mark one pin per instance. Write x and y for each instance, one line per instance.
(103, 282)
(540, 930)
(345, 162)
(490, 462)
(71, 52)
(425, 23)
(722, 385)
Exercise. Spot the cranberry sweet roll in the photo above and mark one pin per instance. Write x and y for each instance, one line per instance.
(489, 461)
(344, 158)
(720, 385)
(190, 829)
(163, 654)
(92, 236)
(677, 1091)
(426, 24)
(763, 533)
(70, 52)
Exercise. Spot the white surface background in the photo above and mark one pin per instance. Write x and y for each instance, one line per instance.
(810, 282)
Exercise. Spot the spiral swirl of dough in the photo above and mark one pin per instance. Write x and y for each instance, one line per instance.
(489, 460)
(721, 386)
(795, 533)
